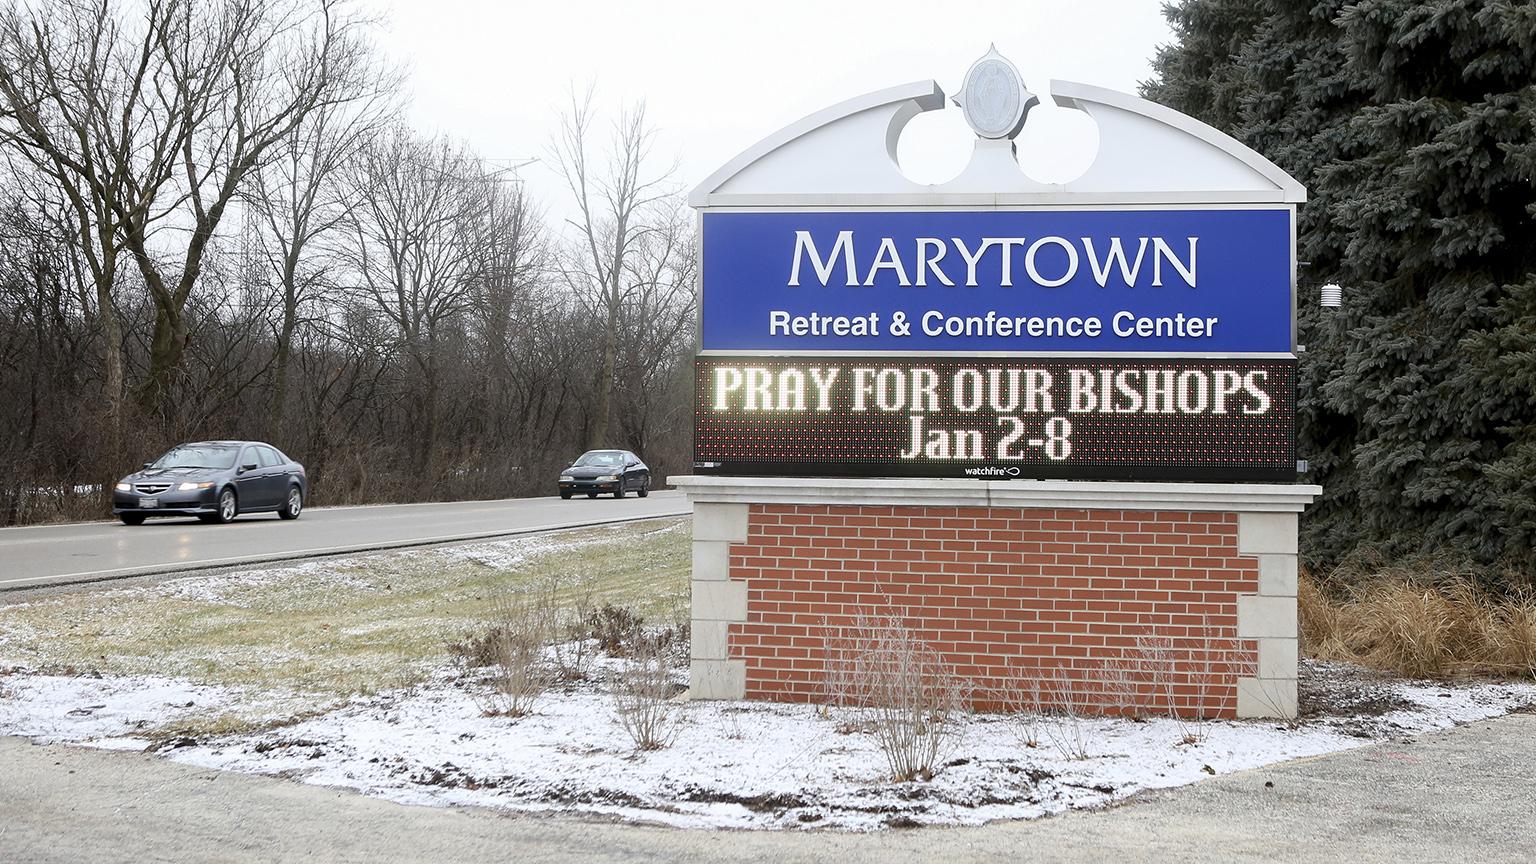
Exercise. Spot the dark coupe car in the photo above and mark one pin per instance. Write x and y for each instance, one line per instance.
(214, 481)
(616, 471)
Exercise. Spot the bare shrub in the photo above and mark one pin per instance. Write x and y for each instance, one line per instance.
(617, 629)
(841, 664)
(680, 616)
(1160, 664)
(1063, 722)
(901, 691)
(1020, 699)
(1214, 663)
(643, 694)
(476, 650)
(1421, 630)
(514, 646)
(733, 729)
(1123, 679)
(1277, 704)
(574, 647)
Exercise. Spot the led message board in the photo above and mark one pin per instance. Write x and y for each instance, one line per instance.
(997, 418)
(1094, 281)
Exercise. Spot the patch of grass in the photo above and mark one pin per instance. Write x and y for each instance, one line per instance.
(1419, 628)
(327, 630)
(237, 721)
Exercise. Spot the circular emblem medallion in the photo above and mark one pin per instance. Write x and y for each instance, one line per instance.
(993, 97)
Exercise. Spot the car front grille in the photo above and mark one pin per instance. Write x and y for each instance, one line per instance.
(152, 488)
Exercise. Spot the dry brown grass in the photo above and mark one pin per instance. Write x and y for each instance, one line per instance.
(1411, 627)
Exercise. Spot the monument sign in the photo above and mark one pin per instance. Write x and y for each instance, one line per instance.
(1038, 420)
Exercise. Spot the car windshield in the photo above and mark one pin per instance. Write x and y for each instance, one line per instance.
(600, 459)
(197, 456)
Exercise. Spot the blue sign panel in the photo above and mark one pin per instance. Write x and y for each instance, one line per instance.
(1101, 281)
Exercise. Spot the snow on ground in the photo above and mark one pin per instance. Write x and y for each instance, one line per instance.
(506, 554)
(739, 765)
(235, 589)
(58, 708)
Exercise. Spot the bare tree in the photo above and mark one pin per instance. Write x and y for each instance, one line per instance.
(53, 63)
(656, 324)
(412, 246)
(150, 116)
(614, 195)
(302, 196)
(200, 204)
(508, 306)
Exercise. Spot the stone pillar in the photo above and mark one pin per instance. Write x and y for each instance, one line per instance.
(718, 602)
(1269, 616)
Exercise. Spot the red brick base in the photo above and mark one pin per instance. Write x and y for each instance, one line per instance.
(1131, 610)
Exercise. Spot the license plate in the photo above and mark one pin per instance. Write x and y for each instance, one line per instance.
(149, 503)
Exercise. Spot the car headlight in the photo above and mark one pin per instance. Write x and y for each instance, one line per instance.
(606, 478)
(124, 487)
(188, 487)
(566, 478)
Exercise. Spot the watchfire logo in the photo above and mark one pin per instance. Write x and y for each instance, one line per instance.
(992, 471)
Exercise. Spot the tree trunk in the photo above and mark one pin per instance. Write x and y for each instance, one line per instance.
(166, 348)
(427, 457)
(112, 387)
(605, 377)
(277, 412)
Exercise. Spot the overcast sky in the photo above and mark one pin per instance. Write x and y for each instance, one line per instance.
(718, 76)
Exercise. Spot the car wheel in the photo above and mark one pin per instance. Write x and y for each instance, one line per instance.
(618, 492)
(294, 506)
(645, 488)
(564, 495)
(131, 518)
(229, 507)
(591, 494)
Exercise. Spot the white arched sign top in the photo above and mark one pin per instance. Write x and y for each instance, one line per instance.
(845, 155)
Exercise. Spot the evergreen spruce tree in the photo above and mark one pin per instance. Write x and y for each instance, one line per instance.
(1413, 125)
(1198, 74)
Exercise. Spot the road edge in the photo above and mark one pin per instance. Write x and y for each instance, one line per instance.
(44, 582)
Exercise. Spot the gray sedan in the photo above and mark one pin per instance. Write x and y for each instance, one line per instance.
(214, 481)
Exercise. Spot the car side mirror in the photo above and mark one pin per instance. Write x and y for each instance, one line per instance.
(147, 464)
(249, 466)
(630, 464)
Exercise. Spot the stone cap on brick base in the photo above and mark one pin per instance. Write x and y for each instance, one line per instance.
(943, 492)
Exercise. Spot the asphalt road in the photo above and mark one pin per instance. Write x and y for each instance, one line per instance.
(43, 555)
(1454, 796)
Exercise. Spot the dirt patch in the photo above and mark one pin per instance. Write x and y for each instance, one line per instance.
(269, 746)
(776, 802)
(451, 776)
(1346, 691)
